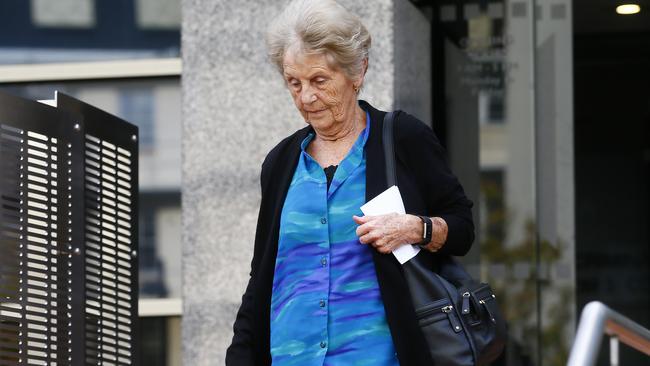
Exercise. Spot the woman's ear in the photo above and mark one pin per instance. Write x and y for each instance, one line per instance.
(364, 68)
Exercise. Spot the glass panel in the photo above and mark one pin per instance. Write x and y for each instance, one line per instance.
(42, 31)
(63, 13)
(154, 106)
(160, 341)
(487, 53)
(508, 90)
(555, 178)
(158, 14)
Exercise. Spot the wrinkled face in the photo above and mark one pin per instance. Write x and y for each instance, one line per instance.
(324, 95)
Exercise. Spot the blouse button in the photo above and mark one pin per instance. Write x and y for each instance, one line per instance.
(323, 261)
(323, 221)
(323, 344)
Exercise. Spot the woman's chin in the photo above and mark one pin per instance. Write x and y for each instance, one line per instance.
(319, 120)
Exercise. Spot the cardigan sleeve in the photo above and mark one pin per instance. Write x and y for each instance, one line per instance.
(419, 149)
(240, 351)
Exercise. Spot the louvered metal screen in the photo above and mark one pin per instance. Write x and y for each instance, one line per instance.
(68, 235)
(111, 189)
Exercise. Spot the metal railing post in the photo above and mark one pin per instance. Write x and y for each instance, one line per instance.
(613, 351)
(590, 332)
(596, 320)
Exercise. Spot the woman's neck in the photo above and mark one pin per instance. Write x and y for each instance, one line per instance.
(344, 132)
(330, 150)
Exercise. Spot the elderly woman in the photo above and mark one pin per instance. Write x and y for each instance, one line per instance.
(324, 288)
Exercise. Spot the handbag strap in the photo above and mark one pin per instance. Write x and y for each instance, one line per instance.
(389, 148)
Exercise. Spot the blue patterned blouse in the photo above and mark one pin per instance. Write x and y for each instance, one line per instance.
(326, 307)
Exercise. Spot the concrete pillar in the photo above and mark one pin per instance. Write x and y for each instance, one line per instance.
(235, 109)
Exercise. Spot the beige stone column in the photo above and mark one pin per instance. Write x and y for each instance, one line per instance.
(235, 109)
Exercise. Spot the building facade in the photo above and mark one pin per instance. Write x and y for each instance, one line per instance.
(542, 105)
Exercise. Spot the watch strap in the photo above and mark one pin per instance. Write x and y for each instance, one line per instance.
(427, 230)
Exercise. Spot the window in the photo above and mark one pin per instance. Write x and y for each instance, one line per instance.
(136, 105)
(158, 14)
(63, 13)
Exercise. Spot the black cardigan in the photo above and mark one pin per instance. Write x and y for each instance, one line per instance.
(428, 188)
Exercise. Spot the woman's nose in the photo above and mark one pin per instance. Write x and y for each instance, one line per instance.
(308, 95)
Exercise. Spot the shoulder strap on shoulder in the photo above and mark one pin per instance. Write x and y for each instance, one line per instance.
(389, 147)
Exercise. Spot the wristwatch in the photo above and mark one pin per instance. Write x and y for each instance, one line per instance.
(426, 232)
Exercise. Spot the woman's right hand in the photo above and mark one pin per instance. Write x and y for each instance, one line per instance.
(388, 232)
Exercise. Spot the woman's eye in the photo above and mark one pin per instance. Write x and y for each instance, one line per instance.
(320, 81)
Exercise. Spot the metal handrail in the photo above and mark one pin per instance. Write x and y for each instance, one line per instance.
(597, 319)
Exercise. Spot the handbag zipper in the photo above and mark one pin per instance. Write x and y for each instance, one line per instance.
(455, 324)
(431, 308)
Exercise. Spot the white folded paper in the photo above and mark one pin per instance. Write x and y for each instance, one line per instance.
(390, 201)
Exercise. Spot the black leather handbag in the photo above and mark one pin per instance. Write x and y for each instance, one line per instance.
(458, 316)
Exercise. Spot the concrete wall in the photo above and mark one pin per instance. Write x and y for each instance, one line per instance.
(235, 108)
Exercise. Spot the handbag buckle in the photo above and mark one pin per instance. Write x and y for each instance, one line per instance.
(465, 305)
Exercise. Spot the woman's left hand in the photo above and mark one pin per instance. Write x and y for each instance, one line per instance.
(388, 232)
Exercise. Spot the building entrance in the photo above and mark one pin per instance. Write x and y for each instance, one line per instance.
(544, 108)
(612, 158)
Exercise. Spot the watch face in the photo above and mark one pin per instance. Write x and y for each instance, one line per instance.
(427, 230)
(429, 227)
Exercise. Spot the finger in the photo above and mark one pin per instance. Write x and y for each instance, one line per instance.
(386, 243)
(363, 230)
(369, 238)
(366, 239)
(384, 250)
(380, 243)
(360, 220)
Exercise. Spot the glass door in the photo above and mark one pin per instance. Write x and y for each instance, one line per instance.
(502, 80)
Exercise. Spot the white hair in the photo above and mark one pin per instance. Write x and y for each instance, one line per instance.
(320, 27)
